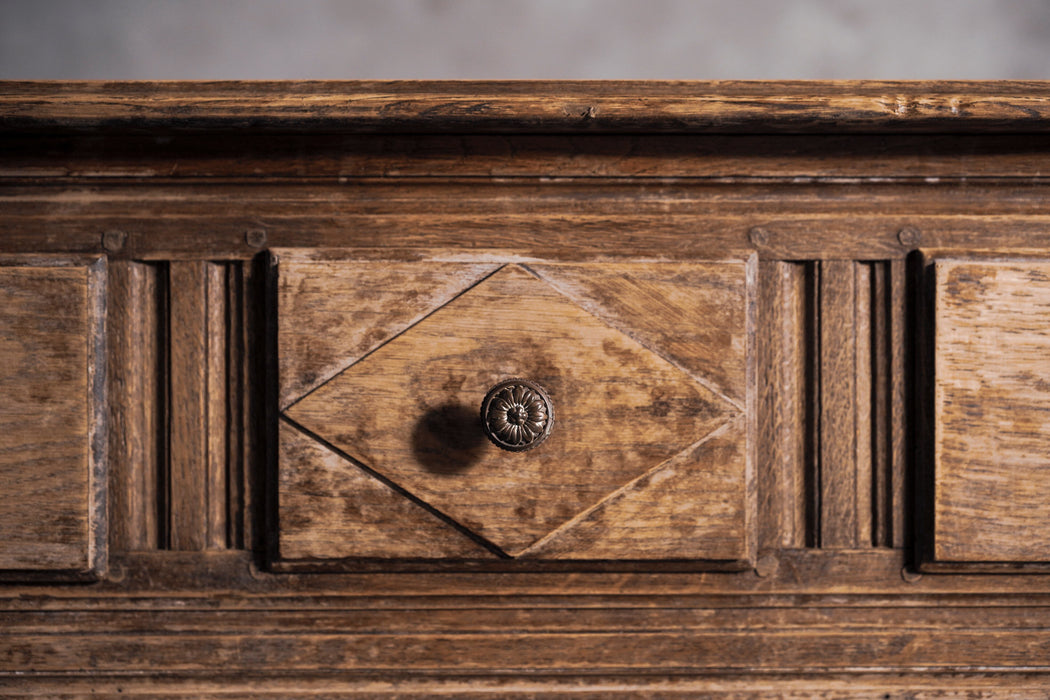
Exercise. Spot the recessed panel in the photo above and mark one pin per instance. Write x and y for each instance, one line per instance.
(50, 383)
(644, 363)
(992, 411)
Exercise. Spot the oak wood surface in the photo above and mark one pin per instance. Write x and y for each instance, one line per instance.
(593, 191)
(334, 312)
(329, 507)
(249, 155)
(991, 354)
(197, 407)
(608, 479)
(781, 448)
(580, 220)
(137, 392)
(52, 514)
(871, 685)
(838, 417)
(189, 403)
(848, 578)
(531, 105)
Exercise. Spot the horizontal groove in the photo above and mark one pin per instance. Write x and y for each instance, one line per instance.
(870, 632)
(878, 605)
(145, 180)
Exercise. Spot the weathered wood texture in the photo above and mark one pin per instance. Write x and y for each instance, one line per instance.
(334, 312)
(197, 407)
(832, 398)
(680, 641)
(137, 404)
(859, 428)
(991, 355)
(782, 435)
(763, 548)
(576, 219)
(864, 577)
(52, 398)
(331, 507)
(565, 686)
(841, 429)
(524, 106)
(646, 365)
(250, 155)
(203, 419)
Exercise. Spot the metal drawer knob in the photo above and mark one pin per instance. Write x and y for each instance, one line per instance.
(517, 415)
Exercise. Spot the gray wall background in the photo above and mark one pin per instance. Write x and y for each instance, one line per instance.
(501, 39)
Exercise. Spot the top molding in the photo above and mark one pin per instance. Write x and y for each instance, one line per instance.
(527, 106)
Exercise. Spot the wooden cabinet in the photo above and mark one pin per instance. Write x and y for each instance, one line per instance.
(792, 336)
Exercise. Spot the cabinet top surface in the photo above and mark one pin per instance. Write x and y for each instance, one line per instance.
(565, 106)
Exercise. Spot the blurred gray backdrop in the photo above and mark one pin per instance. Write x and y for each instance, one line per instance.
(504, 39)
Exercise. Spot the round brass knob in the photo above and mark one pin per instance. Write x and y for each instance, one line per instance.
(517, 414)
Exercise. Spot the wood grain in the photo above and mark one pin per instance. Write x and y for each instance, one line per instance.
(838, 405)
(694, 506)
(707, 303)
(529, 106)
(584, 185)
(330, 507)
(723, 644)
(686, 221)
(198, 419)
(268, 157)
(888, 413)
(991, 356)
(899, 343)
(856, 403)
(137, 405)
(333, 313)
(52, 516)
(920, 685)
(409, 410)
(782, 438)
(869, 577)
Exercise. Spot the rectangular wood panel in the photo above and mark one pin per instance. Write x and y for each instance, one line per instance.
(839, 403)
(781, 444)
(51, 421)
(992, 411)
(199, 457)
(137, 391)
(382, 453)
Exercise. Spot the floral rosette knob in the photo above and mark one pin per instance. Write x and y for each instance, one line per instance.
(517, 414)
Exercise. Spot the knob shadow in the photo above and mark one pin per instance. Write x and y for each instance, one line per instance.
(448, 439)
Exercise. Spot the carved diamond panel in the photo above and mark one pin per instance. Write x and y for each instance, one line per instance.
(406, 414)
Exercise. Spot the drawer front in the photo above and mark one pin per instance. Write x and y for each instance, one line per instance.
(991, 411)
(51, 425)
(384, 366)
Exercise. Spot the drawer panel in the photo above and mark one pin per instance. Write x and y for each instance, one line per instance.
(51, 397)
(384, 365)
(992, 411)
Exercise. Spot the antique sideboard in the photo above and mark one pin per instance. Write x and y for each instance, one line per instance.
(765, 371)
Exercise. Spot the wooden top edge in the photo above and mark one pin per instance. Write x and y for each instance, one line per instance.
(592, 106)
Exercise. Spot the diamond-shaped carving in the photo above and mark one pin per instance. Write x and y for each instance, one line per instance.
(409, 410)
(335, 311)
(358, 514)
(694, 314)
